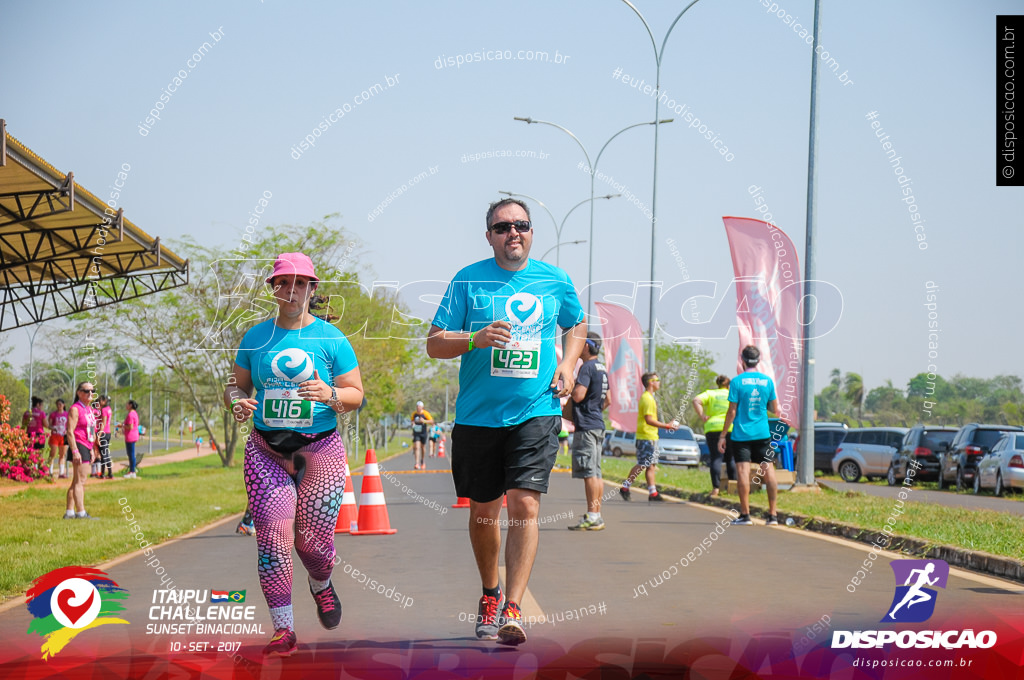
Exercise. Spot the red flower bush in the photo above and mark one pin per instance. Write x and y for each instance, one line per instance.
(17, 462)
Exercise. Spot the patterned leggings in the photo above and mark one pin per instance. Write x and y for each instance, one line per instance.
(294, 500)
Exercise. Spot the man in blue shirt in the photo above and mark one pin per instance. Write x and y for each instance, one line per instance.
(501, 315)
(751, 396)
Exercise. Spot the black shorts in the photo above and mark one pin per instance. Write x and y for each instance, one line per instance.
(488, 461)
(420, 437)
(753, 451)
(83, 449)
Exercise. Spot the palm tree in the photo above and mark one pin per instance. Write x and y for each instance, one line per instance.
(853, 385)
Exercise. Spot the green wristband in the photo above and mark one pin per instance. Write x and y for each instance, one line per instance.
(470, 349)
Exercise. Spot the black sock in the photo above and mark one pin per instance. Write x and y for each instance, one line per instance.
(493, 592)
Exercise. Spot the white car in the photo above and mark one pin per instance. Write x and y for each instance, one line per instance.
(867, 451)
(1002, 468)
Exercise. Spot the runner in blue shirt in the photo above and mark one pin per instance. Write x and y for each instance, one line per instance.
(304, 373)
(501, 316)
(751, 396)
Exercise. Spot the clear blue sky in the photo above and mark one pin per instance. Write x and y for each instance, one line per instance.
(81, 77)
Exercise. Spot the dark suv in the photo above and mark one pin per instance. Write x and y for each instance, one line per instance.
(827, 438)
(923, 444)
(960, 463)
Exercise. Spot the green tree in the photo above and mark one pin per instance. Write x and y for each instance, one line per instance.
(685, 371)
(853, 390)
(16, 393)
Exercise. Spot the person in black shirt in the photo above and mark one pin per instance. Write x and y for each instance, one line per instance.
(589, 398)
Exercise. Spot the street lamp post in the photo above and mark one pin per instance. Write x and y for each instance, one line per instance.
(654, 189)
(563, 243)
(559, 227)
(592, 169)
(31, 363)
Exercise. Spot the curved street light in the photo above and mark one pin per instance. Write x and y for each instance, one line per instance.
(558, 228)
(592, 170)
(563, 243)
(654, 189)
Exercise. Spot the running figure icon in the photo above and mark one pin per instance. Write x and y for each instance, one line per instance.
(915, 595)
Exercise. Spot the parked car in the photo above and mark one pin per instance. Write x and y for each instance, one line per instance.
(1003, 467)
(923, 444)
(705, 452)
(678, 447)
(959, 463)
(606, 448)
(622, 443)
(827, 438)
(867, 451)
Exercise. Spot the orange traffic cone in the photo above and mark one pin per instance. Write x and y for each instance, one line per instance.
(440, 448)
(347, 517)
(373, 513)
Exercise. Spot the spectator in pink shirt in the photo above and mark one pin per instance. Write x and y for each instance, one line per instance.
(130, 428)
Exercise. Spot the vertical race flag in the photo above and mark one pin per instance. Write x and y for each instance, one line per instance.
(623, 348)
(768, 294)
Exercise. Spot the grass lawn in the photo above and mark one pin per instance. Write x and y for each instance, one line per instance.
(988, 531)
(168, 500)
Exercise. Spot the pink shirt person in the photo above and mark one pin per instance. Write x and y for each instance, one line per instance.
(131, 426)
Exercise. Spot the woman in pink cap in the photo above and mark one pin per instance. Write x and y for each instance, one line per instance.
(304, 373)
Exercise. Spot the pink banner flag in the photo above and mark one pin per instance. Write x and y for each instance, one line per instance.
(768, 294)
(623, 352)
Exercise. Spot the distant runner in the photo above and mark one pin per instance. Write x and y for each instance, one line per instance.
(421, 423)
(58, 422)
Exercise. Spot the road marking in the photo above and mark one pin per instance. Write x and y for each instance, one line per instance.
(528, 605)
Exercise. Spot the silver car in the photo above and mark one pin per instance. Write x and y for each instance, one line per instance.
(1002, 468)
(622, 443)
(679, 447)
(867, 451)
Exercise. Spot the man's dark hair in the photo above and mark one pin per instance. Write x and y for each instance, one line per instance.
(646, 379)
(721, 381)
(503, 202)
(751, 356)
(594, 343)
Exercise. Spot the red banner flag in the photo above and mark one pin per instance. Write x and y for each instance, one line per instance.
(623, 352)
(768, 294)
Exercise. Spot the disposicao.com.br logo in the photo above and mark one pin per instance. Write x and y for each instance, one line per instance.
(70, 600)
(914, 602)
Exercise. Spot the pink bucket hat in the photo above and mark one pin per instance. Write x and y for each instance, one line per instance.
(293, 263)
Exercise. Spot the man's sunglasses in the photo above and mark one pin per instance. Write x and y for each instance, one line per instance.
(522, 226)
(85, 390)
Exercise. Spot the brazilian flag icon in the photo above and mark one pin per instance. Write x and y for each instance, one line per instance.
(237, 596)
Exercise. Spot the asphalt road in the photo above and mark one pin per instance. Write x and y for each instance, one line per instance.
(966, 499)
(642, 595)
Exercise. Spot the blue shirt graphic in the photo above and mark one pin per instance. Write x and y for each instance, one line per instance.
(280, 359)
(534, 300)
(751, 392)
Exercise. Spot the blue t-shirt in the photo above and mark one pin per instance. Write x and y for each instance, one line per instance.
(751, 392)
(499, 387)
(280, 359)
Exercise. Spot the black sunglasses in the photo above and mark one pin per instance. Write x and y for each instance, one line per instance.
(85, 390)
(522, 226)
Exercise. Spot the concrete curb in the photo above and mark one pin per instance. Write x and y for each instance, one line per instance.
(973, 560)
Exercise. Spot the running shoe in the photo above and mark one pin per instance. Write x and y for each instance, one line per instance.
(742, 520)
(624, 492)
(283, 643)
(487, 616)
(511, 631)
(773, 520)
(587, 525)
(85, 515)
(328, 607)
(655, 496)
(245, 529)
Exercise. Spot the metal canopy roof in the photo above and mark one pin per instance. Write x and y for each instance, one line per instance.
(63, 250)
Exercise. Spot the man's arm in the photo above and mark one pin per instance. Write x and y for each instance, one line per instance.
(575, 340)
(442, 344)
(729, 415)
(654, 422)
(773, 406)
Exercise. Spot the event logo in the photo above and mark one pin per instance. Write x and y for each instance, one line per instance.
(913, 602)
(70, 600)
(298, 365)
(523, 309)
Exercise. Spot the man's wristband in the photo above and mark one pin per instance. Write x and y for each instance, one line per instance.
(470, 348)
